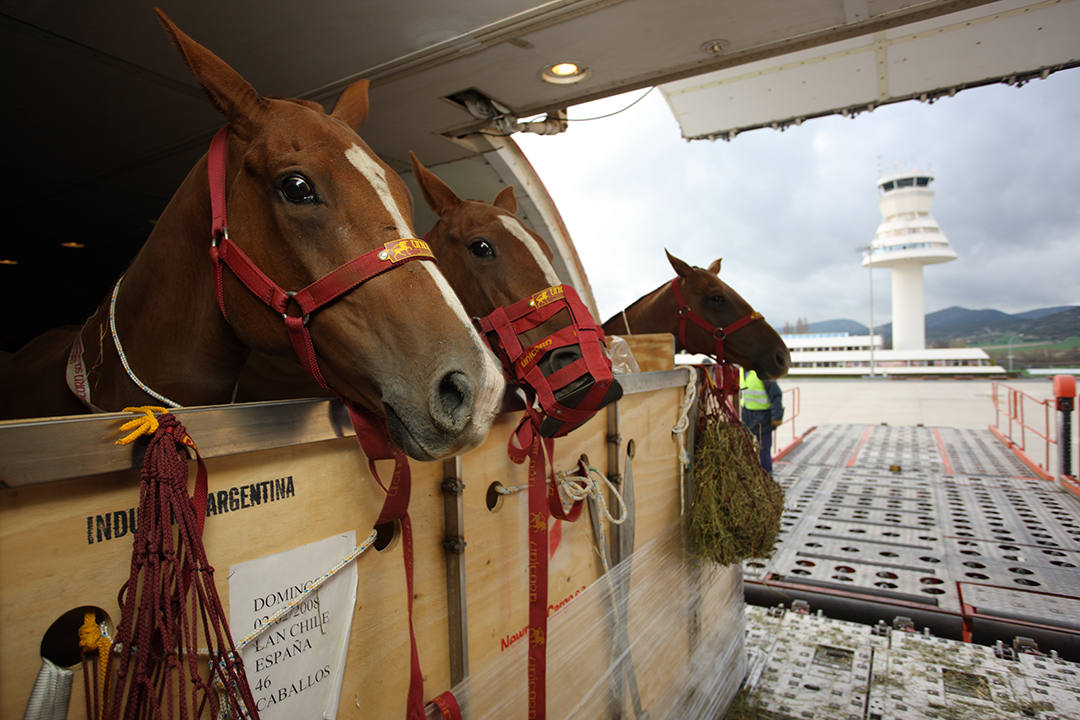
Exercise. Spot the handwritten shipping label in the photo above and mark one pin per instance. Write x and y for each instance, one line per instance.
(295, 666)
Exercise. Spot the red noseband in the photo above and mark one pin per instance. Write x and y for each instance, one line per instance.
(718, 333)
(309, 299)
(522, 365)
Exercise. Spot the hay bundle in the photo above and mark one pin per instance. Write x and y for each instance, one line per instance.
(735, 512)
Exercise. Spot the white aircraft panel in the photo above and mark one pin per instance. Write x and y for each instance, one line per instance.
(1009, 40)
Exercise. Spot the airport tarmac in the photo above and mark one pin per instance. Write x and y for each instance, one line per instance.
(933, 403)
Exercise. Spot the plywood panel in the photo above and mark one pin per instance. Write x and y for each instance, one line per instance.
(652, 351)
(497, 554)
(68, 544)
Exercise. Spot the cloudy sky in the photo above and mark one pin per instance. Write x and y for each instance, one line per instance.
(787, 210)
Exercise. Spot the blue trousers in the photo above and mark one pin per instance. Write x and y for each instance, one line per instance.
(763, 433)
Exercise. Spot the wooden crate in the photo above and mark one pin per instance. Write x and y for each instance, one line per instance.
(652, 351)
(64, 545)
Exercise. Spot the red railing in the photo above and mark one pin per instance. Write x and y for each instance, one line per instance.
(1022, 415)
(792, 408)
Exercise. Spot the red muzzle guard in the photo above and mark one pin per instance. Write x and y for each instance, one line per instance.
(572, 394)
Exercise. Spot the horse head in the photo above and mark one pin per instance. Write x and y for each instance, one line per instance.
(494, 261)
(306, 198)
(755, 346)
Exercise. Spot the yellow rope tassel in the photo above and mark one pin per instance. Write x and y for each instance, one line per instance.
(91, 639)
(145, 424)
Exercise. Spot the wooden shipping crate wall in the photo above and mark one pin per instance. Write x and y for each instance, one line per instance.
(47, 565)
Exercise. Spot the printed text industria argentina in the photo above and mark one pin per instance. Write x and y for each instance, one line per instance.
(118, 523)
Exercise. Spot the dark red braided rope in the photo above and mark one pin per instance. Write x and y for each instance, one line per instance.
(169, 604)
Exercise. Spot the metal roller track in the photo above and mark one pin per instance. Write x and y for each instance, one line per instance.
(939, 524)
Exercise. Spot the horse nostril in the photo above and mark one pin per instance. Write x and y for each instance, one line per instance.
(452, 401)
(782, 359)
(562, 357)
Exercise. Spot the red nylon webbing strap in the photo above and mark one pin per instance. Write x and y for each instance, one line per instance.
(372, 436)
(538, 582)
(718, 333)
(544, 501)
(334, 284)
(447, 705)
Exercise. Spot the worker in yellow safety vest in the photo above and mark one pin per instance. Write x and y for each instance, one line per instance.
(762, 405)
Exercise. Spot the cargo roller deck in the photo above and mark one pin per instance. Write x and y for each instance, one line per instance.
(921, 572)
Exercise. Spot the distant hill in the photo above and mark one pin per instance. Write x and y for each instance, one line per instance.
(977, 327)
(842, 325)
(958, 318)
(1043, 312)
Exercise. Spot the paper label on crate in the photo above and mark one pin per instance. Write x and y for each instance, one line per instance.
(295, 665)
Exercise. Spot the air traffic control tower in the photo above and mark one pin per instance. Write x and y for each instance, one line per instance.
(907, 238)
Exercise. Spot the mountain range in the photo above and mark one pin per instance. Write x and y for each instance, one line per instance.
(975, 327)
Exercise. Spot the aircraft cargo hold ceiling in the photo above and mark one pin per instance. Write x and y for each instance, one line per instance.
(104, 120)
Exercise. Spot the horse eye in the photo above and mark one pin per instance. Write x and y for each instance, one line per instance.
(717, 299)
(297, 189)
(482, 249)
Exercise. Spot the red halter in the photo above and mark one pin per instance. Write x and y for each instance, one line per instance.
(718, 333)
(522, 365)
(309, 299)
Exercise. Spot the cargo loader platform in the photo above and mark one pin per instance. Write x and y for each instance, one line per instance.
(920, 572)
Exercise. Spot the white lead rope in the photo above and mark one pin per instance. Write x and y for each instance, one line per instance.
(679, 431)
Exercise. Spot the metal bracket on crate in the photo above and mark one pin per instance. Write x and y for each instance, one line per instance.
(452, 486)
(454, 544)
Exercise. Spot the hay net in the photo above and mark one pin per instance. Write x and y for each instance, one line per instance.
(735, 507)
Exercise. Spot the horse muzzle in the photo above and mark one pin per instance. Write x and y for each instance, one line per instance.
(567, 373)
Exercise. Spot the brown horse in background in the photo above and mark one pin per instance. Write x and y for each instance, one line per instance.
(757, 346)
(305, 196)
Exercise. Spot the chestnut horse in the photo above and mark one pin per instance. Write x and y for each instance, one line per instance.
(754, 345)
(486, 253)
(306, 199)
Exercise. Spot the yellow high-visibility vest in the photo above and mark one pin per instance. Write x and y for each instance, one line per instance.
(752, 391)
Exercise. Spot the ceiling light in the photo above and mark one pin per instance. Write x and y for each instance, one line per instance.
(564, 73)
(72, 244)
(9, 262)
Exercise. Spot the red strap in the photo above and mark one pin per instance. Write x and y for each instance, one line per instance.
(447, 705)
(538, 582)
(304, 348)
(372, 436)
(215, 162)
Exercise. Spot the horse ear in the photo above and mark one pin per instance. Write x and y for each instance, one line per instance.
(352, 106)
(715, 267)
(681, 268)
(231, 94)
(506, 200)
(437, 194)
